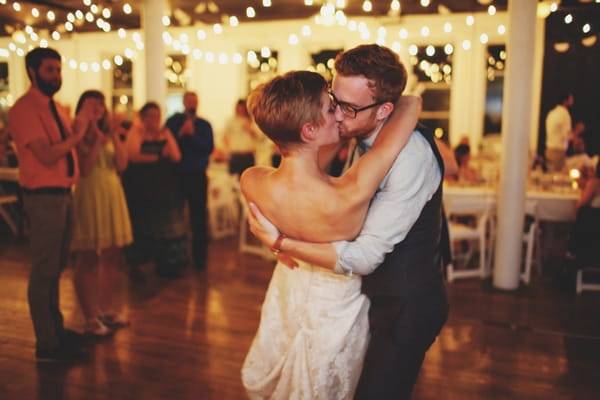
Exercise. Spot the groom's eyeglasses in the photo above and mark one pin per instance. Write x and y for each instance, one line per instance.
(347, 109)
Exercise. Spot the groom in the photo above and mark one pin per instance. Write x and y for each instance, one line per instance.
(398, 249)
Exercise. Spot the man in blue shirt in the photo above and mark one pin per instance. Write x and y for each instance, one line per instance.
(195, 139)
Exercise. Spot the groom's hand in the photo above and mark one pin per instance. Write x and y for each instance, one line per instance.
(267, 233)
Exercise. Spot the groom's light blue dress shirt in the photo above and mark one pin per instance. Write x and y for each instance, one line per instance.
(404, 191)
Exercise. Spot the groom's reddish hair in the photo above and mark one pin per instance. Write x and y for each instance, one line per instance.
(380, 65)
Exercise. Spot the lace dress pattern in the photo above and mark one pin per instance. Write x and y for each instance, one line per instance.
(312, 336)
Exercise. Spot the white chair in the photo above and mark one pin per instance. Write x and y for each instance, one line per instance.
(581, 284)
(5, 201)
(475, 233)
(532, 241)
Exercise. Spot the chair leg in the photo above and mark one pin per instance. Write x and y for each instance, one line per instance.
(538, 253)
(482, 257)
(450, 272)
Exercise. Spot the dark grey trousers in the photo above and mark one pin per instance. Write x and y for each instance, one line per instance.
(50, 220)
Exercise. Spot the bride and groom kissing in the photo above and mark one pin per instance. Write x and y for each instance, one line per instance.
(357, 297)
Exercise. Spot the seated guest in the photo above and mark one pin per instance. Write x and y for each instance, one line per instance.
(154, 197)
(462, 155)
(586, 231)
(583, 248)
(578, 157)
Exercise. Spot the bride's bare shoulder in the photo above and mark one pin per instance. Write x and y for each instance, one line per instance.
(256, 172)
(253, 176)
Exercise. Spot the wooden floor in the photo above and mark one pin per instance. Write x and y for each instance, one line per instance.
(189, 336)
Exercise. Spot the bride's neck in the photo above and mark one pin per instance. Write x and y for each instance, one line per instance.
(301, 162)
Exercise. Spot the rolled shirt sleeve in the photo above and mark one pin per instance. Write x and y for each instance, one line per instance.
(408, 186)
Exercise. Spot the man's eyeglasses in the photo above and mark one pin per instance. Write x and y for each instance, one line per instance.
(347, 109)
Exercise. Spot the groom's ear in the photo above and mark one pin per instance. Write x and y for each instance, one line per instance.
(384, 110)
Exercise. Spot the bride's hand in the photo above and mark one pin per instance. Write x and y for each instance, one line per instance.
(266, 232)
(261, 227)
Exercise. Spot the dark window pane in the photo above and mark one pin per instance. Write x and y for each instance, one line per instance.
(436, 100)
(496, 60)
(122, 77)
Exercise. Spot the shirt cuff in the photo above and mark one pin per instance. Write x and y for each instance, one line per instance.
(340, 267)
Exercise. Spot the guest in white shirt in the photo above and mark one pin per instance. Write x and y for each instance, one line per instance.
(559, 131)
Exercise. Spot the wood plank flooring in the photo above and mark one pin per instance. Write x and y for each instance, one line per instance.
(189, 336)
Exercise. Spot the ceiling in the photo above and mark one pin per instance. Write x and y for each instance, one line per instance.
(188, 12)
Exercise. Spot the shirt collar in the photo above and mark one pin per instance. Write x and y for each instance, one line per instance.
(39, 96)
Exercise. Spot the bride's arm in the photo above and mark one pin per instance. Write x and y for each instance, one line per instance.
(366, 174)
(322, 254)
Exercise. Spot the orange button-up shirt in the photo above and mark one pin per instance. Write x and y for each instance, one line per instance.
(30, 119)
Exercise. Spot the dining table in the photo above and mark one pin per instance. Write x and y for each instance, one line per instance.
(553, 204)
(555, 208)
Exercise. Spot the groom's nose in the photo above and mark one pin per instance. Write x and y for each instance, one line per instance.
(339, 115)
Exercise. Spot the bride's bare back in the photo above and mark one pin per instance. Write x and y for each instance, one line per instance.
(307, 204)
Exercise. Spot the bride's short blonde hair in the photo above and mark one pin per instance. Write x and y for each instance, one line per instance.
(282, 105)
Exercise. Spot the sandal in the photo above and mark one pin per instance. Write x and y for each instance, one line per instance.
(95, 327)
(113, 320)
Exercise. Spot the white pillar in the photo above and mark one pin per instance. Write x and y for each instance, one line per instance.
(154, 54)
(516, 125)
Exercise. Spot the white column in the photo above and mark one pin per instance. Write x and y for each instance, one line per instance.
(154, 54)
(516, 125)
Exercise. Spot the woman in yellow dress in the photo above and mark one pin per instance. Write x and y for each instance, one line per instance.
(101, 219)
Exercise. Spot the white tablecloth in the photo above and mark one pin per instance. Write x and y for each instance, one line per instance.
(551, 206)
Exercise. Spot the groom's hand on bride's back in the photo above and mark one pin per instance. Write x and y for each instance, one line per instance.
(267, 233)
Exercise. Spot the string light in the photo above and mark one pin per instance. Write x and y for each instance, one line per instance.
(568, 19)
(70, 24)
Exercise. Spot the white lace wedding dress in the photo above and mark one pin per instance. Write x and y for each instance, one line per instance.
(312, 336)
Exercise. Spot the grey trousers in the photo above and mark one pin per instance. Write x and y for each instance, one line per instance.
(555, 159)
(50, 220)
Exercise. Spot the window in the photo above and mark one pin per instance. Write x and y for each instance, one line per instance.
(177, 74)
(432, 65)
(122, 87)
(261, 66)
(323, 62)
(4, 94)
(496, 61)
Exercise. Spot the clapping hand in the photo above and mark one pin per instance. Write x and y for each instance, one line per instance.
(116, 124)
(187, 128)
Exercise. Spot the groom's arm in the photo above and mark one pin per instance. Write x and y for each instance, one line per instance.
(411, 182)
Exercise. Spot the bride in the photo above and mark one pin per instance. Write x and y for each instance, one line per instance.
(313, 330)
